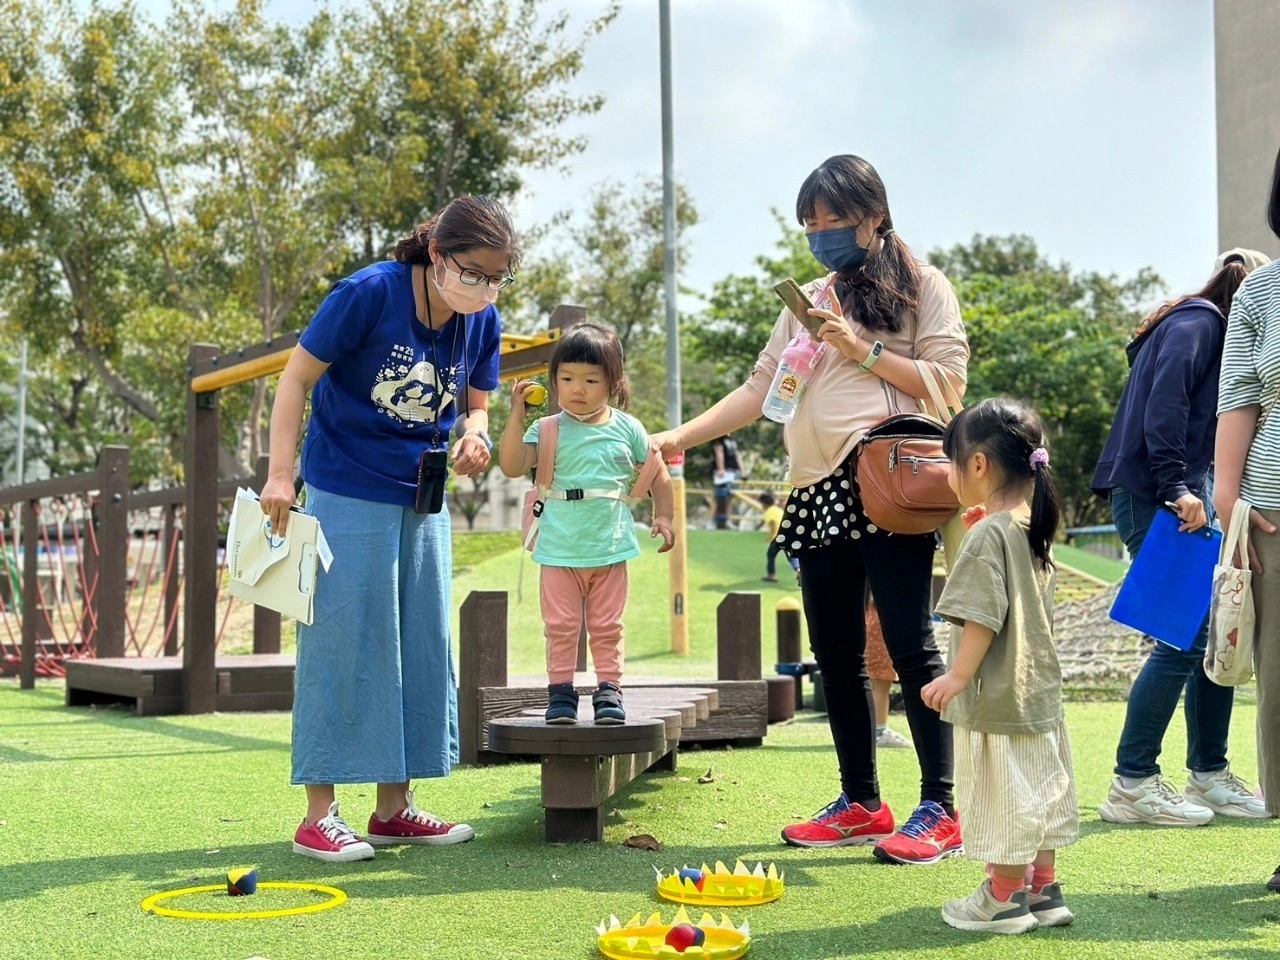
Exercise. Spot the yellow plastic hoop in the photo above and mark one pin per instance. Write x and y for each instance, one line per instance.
(151, 904)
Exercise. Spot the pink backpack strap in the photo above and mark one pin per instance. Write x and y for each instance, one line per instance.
(548, 434)
(649, 471)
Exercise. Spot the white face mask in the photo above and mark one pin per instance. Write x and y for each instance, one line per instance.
(584, 417)
(461, 297)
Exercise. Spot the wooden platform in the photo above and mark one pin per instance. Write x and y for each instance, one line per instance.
(153, 685)
(583, 765)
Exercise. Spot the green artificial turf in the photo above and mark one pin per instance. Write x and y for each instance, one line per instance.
(98, 809)
(1103, 568)
(719, 562)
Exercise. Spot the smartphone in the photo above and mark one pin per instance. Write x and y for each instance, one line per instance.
(790, 293)
(433, 476)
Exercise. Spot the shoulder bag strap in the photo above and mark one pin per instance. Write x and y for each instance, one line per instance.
(946, 402)
(649, 471)
(548, 435)
(1235, 545)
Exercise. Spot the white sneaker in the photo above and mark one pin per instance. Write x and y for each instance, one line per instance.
(1152, 801)
(892, 738)
(981, 912)
(1225, 793)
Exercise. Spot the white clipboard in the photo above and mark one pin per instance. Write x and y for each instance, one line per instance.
(278, 573)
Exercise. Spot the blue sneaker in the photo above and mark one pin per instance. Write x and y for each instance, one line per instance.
(607, 701)
(562, 703)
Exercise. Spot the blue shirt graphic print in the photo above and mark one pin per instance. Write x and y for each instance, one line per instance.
(394, 386)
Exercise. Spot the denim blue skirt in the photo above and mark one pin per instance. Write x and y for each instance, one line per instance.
(376, 698)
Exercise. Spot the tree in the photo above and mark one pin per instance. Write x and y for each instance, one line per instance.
(457, 96)
(209, 178)
(613, 266)
(724, 341)
(1055, 339)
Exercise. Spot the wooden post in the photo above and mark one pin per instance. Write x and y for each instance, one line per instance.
(482, 646)
(32, 609)
(200, 546)
(677, 566)
(172, 564)
(266, 622)
(738, 637)
(113, 552)
(790, 646)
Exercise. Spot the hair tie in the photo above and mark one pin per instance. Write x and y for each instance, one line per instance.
(887, 234)
(1039, 458)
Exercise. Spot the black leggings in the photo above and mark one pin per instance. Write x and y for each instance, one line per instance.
(833, 582)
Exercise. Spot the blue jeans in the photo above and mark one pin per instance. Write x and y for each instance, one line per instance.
(1154, 696)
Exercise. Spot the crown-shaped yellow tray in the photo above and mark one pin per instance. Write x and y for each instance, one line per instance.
(642, 940)
(721, 887)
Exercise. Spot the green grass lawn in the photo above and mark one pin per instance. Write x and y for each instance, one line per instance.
(1104, 568)
(720, 562)
(99, 809)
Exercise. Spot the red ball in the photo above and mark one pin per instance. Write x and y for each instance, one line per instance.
(685, 935)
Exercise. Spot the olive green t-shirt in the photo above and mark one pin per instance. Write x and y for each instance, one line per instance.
(998, 583)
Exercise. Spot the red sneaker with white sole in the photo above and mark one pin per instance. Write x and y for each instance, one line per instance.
(412, 825)
(928, 836)
(329, 838)
(841, 824)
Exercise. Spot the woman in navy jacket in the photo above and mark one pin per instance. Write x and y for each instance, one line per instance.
(1159, 453)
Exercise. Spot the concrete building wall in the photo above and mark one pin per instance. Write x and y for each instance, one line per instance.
(1247, 44)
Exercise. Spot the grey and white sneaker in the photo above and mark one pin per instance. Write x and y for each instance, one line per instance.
(1152, 801)
(1049, 907)
(1225, 793)
(891, 739)
(981, 912)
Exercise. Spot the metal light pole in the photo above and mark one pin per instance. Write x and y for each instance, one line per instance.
(679, 555)
(22, 410)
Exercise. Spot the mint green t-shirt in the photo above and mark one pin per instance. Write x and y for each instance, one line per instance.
(599, 531)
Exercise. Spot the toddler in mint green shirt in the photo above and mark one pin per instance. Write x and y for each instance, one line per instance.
(586, 533)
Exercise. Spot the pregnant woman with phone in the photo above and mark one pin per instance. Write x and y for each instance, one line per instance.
(1156, 457)
(389, 357)
(893, 310)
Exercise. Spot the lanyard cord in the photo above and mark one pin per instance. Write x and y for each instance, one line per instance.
(435, 361)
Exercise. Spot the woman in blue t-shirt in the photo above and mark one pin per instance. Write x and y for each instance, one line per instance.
(389, 357)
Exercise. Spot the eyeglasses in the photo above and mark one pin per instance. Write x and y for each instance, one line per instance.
(473, 278)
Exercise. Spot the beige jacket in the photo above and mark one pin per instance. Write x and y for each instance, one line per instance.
(843, 401)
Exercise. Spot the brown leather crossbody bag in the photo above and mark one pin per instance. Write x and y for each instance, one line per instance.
(899, 469)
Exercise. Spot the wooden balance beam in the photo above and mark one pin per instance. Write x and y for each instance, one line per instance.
(584, 765)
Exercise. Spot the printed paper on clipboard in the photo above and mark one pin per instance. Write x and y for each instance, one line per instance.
(278, 573)
(1167, 591)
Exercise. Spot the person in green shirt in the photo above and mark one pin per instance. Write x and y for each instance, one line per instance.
(1002, 691)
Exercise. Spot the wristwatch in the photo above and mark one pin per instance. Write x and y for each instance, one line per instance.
(484, 438)
(877, 348)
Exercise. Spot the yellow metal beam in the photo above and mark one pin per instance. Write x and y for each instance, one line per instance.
(241, 372)
(515, 342)
(513, 345)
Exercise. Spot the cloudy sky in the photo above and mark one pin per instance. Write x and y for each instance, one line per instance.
(1089, 125)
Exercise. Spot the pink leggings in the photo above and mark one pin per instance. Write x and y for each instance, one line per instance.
(568, 592)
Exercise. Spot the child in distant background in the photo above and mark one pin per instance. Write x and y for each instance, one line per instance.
(883, 677)
(772, 520)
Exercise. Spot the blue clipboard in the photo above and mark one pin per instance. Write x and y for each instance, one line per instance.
(1167, 591)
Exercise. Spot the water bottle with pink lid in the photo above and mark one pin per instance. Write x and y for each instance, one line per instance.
(799, 361)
